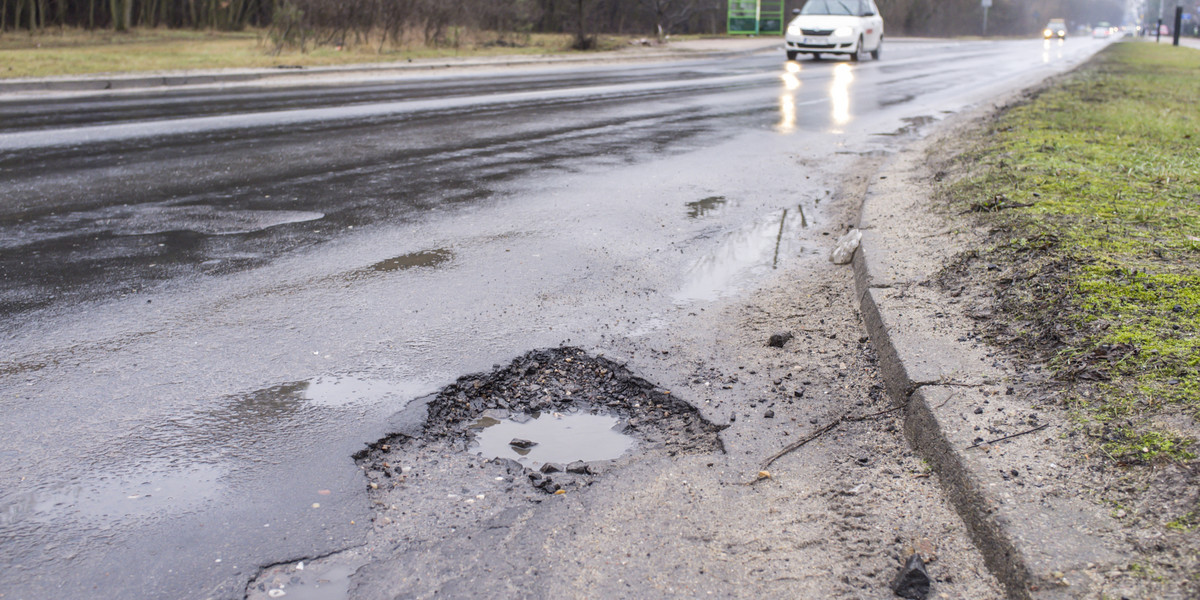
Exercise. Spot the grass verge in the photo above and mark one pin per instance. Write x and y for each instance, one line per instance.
(1088, 195)
(1093, 190)
(76, 52)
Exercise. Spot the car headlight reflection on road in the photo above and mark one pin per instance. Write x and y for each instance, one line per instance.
(843, 31)
(839, 93)
(787, 113)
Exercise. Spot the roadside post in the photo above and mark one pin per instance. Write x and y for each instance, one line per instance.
(1178, 25)
(986, 5)
(1158, 27)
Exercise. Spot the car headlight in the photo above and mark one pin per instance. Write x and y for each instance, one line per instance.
(793, 30)
(843, 31)
(1047, 33)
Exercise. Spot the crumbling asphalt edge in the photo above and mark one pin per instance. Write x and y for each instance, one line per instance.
(1038, 545)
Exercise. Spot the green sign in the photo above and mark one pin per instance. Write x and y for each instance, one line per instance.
(755, 17)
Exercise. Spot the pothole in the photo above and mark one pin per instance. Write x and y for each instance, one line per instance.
(544, 412)
(453, 465)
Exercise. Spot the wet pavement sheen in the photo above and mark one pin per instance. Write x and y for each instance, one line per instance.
(202, 321)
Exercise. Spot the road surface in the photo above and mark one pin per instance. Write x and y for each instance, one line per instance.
(213, 297)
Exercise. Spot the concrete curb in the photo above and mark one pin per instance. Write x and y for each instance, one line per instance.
(1037, 539)
(133, 81)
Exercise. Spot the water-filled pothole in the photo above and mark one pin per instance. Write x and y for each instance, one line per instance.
(705, 206)
(451, 467)
(551, 438)
(570, 406)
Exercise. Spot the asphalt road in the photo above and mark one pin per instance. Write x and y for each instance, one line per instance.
(211, 298)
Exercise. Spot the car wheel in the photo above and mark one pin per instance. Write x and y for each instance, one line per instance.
(878, 50)
(792, 54)
(858, 50)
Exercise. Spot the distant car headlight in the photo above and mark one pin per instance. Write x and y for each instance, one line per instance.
(843, 31)
(793, 30)
(1047, 33)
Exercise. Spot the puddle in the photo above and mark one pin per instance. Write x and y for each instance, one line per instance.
(702, 208)
(345, 390)
(106, 499)
(559, 438)
(322, 579)
(753, 250)
(431, 258)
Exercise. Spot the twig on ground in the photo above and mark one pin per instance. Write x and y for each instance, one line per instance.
(1008, 437)
(792, 447)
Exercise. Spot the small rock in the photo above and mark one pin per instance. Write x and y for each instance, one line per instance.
(777, 340)
(863, 460)
(979, 411)
(912, 581)
(550, 468)
(1120, 514)
(579, 467)
(520, 443)
(858, 489)
(770, 414)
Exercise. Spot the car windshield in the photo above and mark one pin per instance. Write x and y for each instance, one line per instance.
(833, 7)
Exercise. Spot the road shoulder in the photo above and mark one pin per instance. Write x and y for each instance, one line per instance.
(1038, 535)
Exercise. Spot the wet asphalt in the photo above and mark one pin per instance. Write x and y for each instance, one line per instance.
(210, 299)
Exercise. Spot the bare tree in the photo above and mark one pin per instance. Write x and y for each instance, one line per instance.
(668, 14)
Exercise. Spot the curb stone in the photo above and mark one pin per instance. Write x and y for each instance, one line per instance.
(1038, 536)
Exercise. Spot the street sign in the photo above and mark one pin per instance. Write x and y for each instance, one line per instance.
(986, 3)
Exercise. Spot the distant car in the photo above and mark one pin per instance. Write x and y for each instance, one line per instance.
(1056, 28)
(846, 27)
(1101, 32)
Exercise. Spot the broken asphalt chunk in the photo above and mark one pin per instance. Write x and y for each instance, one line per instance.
(912, 581)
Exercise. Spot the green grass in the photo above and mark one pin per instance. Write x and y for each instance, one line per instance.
(1107, 254)
(76, 52)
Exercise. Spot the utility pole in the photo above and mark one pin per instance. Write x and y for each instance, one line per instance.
(986, 5)
(1178, 24)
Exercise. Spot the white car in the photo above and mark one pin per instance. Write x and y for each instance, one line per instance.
(849, 27)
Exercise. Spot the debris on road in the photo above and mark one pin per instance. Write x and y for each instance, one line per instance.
(843, 252)
(912, 581)
(777, 340)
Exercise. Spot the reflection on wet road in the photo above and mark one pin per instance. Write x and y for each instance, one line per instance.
(207, 311)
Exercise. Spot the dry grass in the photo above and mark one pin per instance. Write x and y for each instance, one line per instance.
(75, 52)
